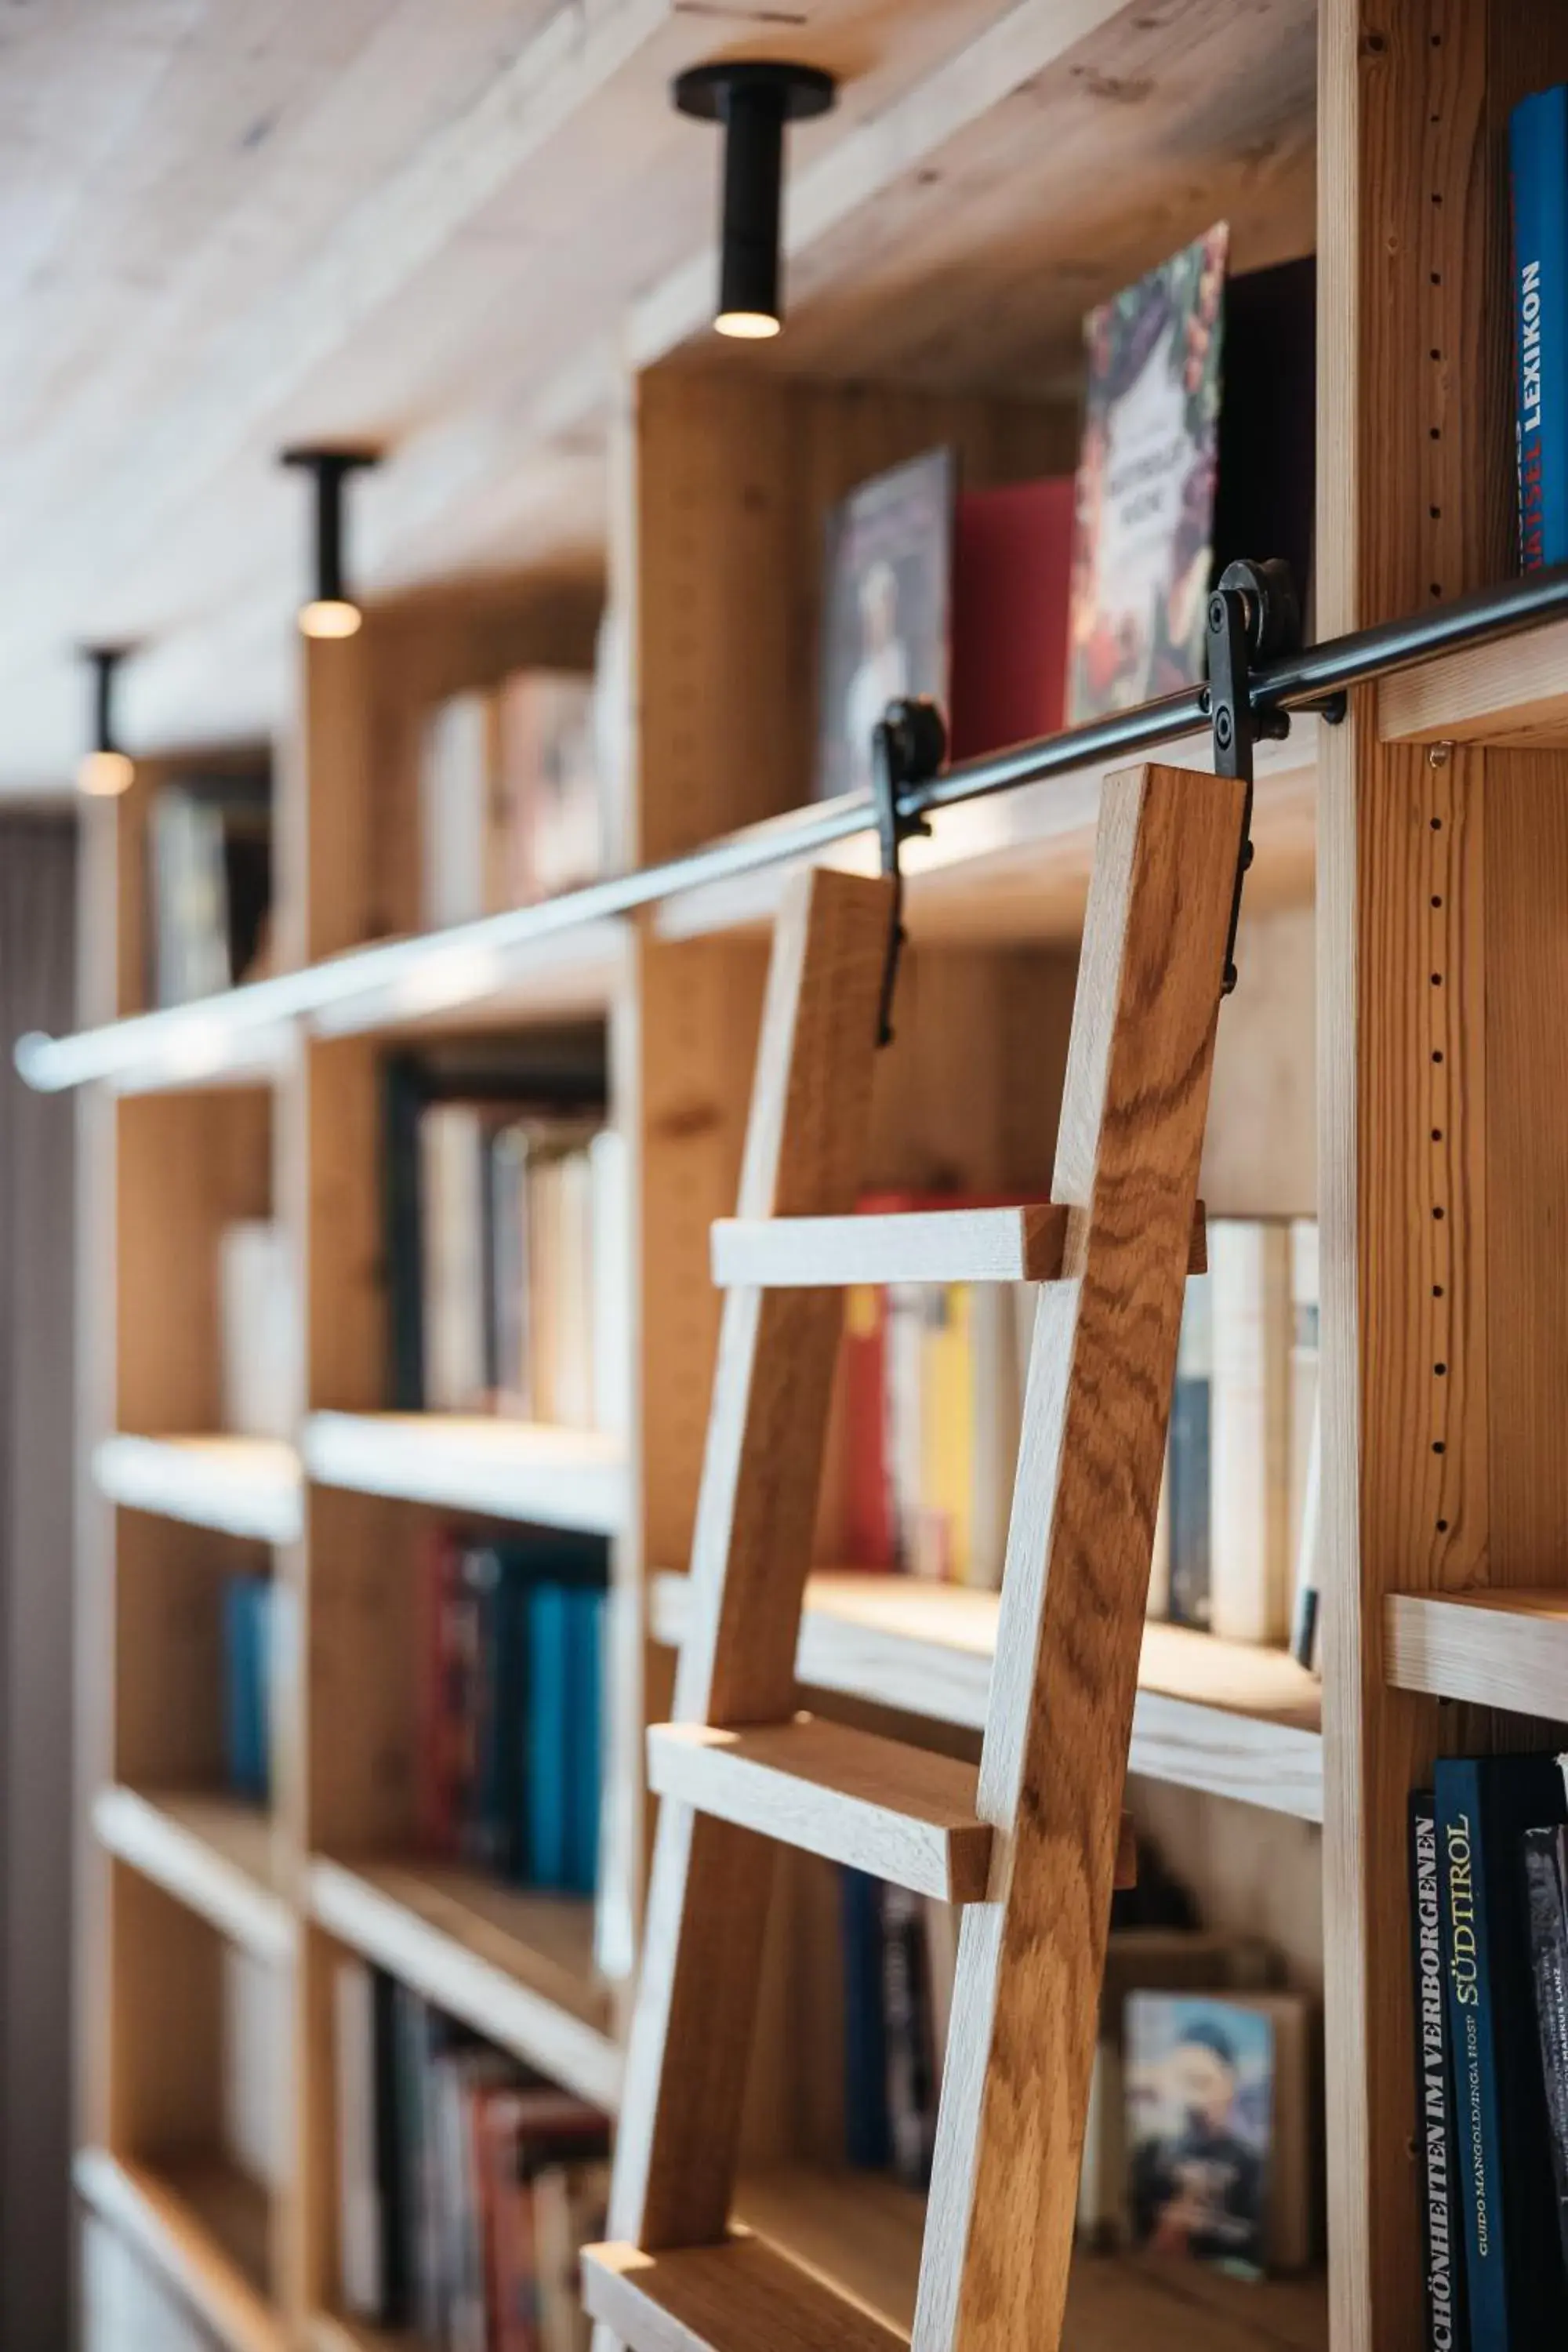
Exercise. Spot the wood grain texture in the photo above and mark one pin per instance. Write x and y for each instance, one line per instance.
(1511, 693)
(900, 1813)
(1009, 2133)
(1026, 1244)
(1223, 1716)
(743, 2296)
(751, 1551)
(515, 1967)
(1414, 395)
(1507, 1649)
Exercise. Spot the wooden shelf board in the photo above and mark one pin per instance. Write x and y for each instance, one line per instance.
(862, 2233)
(1015, 866)
(516, 1966)
(1219, 1715)
(1512, 692)
(241, 1486)
(504, 1469)
(202, 2225)
(213, 1852)
(328, 2331)
(1496, 1649)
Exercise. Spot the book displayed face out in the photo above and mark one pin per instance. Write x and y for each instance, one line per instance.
(1144, 533)
(887, 588)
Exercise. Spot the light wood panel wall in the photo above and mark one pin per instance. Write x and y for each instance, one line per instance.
(1444, 1298)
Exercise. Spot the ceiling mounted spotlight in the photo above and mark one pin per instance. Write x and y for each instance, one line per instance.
(106, 770)
(331, 611)
(753, 98)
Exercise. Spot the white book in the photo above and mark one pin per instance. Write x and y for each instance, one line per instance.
(455, 811)
(1305, 1436)
(359, 2218)
(612, 1278)
(1250, 1549)
(260, 1329)
(451, 1216)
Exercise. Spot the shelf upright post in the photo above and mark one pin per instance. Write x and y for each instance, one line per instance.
(1442, 881)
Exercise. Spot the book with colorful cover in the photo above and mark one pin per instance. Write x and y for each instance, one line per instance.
(1146, 484)
(886, 611)
(1537, 162)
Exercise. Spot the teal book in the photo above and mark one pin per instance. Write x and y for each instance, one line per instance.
(549, 1706)
(585, 1738)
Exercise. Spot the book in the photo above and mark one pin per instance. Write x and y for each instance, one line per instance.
(247, 1604)
(1218, 2128)
(1546, 1895)
(258, 1327)
(868, 2138)
(1187, 1461)
(457, 850)
(1306, 1439)
(1146, 482)
(210, 882)
(1538, 169)
(912, 2081)
(361, 2283)
(1515, 2285)
(1437, 2158)
(1250, 1429)
(1012, 581)
(548, 819)
(886, 611)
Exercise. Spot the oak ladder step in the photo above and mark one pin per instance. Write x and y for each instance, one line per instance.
(1034, 1243)
(897, 1813)
(741, 2296)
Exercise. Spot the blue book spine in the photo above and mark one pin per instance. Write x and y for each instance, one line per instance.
(866, 2128)
(244, 1627)
(585, 1738)
(264, 1619)
(1463, 1864)
(548, 1701)
(1538, 160)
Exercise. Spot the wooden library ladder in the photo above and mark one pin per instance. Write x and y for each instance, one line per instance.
(1029, 1843)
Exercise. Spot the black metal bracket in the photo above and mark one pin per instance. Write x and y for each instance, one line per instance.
(1252, 615)
(909, 744)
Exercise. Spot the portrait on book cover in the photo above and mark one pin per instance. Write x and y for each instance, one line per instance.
(886, 598)
(1200, 2090)
(1143, 530)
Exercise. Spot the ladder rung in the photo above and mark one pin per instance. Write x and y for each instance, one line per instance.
(1026, 1244)
(741, 2296)
(897, 1812)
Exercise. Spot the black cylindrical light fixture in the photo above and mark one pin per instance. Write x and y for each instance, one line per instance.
(106, 770)
(331, 611)
(753, 98)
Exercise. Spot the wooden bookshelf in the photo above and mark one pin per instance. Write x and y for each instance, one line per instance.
(203, 2227)
(503, 1469)
(240, 1486)
(862, 2233)
(215, 1853)
(515, 1966)
(1218, 1716)
(1385, 1064)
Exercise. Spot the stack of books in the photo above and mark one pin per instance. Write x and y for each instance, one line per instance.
(511, 1703)
(1489, 1874)
(466, 2186)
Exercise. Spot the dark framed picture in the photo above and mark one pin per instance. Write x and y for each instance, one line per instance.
(886, 611)
(1146, 484)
